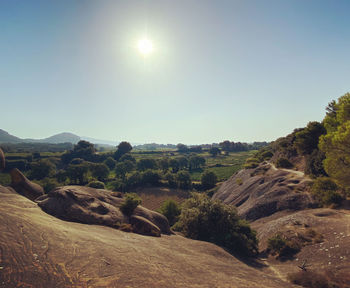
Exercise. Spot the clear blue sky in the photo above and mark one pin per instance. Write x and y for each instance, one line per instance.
(237, 70)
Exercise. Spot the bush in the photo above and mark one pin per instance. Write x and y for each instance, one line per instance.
(282, 247)
(49, 184)
(283, 163)
(171, 210)
(97, 185)
(324, 190)
(251, 163)
(131, 201)
(100, 171)
(239, 181)
(208, 180)
(210, 220)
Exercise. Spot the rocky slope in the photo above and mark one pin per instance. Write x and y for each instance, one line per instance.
(39, 250)
(265, 190)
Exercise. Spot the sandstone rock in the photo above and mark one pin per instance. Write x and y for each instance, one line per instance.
(95, 206)
(2, 160)
(143, 226)
(25, 187)
(265, 190)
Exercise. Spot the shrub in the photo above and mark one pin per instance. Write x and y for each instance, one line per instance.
(251, 163)
(131, 201)
(171, 210)
(49, 184)
(210, 220)
(97, 185)
(266, 155)
(208, 180)
(283, 163)
(324, 190)
(239, 181)
(282, 247)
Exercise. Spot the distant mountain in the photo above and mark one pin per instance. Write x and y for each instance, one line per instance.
(62, 138)
(100, 141)
(5, 137)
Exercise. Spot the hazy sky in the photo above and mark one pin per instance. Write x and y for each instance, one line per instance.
(237, 70)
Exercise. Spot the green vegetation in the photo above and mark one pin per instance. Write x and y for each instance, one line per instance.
(283, 163)
(171, 210)
(208, 180)
(283, 247)
(96, 184)
(325, 190)
(204, 219)
(131, 201)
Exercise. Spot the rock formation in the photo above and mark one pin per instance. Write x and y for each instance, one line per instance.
(265, 190)
(25, 187)
(97, 206)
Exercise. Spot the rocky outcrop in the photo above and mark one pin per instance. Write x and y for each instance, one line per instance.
(265, 190)
(97, 206)
(2, 160)
(23, 186)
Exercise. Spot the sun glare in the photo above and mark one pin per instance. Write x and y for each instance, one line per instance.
(144, 46)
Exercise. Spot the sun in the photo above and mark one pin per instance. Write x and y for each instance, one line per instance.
(145, 46)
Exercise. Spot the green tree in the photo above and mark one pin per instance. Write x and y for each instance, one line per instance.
(335, 144)
(123, 148)
(164, 164)
(100, 171)
(83, 149)
(110, 162)
(196, 162)
(214, 151)
(307, 139)
(183, 162)
(183, 180)
(77, 173)
(325, 191)
(42, 169)
(208, 180)
(174, 164)
(146, 163)
(171, 210)
(182, 148)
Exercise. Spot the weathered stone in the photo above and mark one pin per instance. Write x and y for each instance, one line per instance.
(95, 206)
(143, 226)
(25, 187)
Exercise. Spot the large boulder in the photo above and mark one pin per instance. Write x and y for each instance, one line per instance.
(265, 190)
(23, 186)
(97, 206)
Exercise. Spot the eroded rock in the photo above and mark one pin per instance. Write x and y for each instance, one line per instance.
(98, 206)
(23, 186)
(265, 190)
(143, 226)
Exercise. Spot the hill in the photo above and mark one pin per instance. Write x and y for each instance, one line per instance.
(5, 137)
